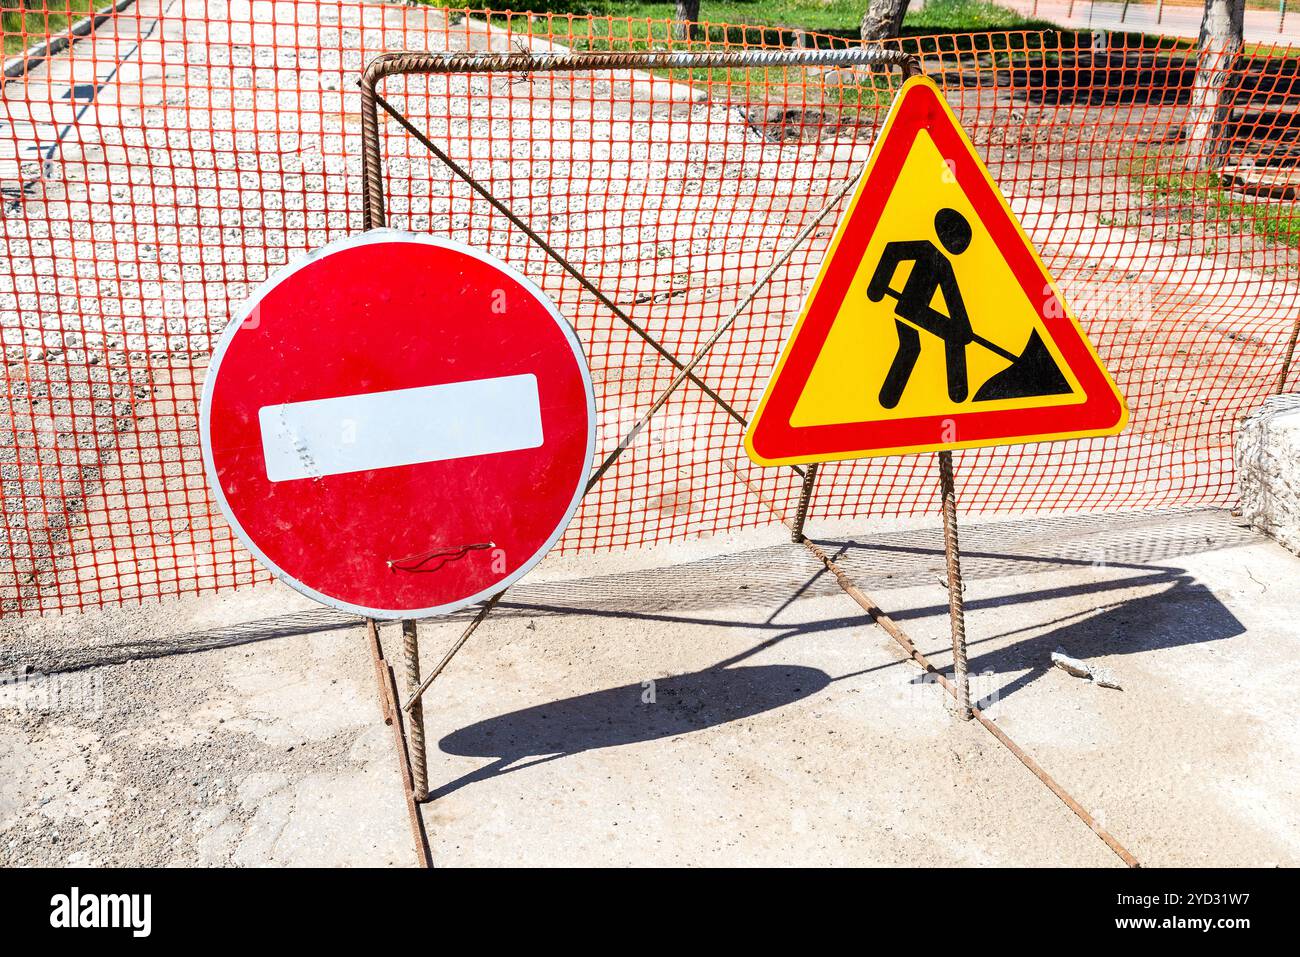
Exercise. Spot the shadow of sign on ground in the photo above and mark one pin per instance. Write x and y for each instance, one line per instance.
(629, 714)
(1180, 611)
(1183, 612)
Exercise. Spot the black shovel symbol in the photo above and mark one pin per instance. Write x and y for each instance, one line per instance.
(1033, 372)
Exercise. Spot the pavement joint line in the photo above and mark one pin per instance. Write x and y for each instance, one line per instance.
(881, 618)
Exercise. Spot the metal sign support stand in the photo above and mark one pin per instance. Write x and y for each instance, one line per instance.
(956, 602)
(374, 217)
(411, 658)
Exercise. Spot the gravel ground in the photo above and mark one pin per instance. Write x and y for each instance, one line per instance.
(225, 140)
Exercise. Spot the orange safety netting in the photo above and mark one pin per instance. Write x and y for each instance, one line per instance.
(163, 165)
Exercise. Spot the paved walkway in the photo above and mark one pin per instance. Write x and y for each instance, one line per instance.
(42, 110)
(1261, 26)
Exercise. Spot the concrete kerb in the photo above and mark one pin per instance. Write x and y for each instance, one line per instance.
(20, 64)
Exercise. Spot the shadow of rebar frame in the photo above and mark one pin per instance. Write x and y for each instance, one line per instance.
(414, 758)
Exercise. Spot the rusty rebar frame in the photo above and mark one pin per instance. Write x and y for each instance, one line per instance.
(400, 63)
(395, 64)
(374, 216)
(404, 63)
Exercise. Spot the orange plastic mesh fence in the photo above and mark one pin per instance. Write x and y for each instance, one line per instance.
(159, 168)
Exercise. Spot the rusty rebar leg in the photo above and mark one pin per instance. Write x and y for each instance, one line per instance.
(393, 718)
(415, 724)
(805, 497)
(955, 603)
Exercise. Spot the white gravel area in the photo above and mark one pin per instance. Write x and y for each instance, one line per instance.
(223, 140)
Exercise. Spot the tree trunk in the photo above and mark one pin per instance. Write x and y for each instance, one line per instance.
(1219, 46)
(883, 19)
(687, 13)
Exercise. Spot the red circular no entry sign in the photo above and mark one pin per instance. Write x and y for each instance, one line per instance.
(398, 425)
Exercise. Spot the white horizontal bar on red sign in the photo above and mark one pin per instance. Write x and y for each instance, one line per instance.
(379, 430)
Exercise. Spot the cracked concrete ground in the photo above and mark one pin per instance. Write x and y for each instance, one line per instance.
(263, 747)
(713, 702)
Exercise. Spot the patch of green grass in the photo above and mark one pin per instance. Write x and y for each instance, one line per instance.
(648, 26)
(24, 22)
(835, 17)
(641, 25)
(963, 15)
(1168, 183)
(818, 15)
(950, 27)
(947, 26)
(831, 16)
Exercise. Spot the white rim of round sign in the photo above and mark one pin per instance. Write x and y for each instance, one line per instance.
(365, 239)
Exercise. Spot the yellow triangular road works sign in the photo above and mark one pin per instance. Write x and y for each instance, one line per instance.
(932, 323)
